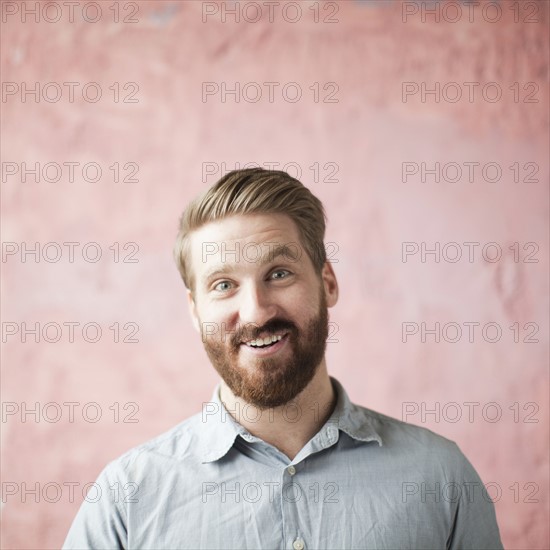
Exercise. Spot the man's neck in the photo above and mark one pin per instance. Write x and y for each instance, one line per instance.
(288, 427)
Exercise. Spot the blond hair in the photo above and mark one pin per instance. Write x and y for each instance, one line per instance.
(254, 190)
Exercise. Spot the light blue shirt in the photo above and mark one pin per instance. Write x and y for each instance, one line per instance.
(363, 481)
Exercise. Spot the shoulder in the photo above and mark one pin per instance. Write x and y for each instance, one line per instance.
(395, 431)
(178, 444)
(413, 443)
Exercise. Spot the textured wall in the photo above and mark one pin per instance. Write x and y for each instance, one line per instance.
(368, 131)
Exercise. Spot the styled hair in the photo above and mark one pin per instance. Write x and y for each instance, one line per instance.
(248, 191)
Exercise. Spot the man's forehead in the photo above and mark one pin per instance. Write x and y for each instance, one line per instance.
(249, 238)
(245, 229)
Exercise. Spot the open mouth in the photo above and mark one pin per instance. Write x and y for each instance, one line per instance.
(267, 344)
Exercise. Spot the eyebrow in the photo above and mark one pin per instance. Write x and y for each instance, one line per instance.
(269, 256)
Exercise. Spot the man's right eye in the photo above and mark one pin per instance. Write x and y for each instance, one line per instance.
(223, 286)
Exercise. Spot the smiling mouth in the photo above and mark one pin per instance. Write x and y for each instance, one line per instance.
(266, 343)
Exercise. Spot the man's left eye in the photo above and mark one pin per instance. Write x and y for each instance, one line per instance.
(280, 274)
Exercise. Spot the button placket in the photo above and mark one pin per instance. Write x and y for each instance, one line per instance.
(292, 498)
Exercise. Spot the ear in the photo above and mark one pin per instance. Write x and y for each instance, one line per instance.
(330, 283)
(193, 310)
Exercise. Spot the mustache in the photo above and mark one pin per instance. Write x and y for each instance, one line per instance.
(251, 331)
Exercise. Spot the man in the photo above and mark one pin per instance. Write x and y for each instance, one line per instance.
(280, 457)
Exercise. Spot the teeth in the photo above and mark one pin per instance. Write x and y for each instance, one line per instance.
(265, 341)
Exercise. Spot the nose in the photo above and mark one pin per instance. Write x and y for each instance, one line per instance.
(257, 305)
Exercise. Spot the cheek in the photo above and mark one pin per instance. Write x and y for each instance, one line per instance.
(217, 322)
(299, 306)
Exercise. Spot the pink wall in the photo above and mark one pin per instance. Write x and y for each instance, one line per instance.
(368, 133)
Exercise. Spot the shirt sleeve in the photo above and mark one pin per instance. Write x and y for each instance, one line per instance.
(101, 520)
(475, 524)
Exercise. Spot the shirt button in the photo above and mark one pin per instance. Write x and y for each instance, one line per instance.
(298, 544)
(292, 470)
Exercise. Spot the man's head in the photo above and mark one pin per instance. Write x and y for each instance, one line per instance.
(251, 253)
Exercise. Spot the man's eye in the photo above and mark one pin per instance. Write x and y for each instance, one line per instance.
(280, 274)
(223, 286)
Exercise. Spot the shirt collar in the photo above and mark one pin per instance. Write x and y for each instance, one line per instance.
(352, 419)
(221, 429)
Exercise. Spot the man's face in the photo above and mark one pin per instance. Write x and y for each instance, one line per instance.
(260, 307)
